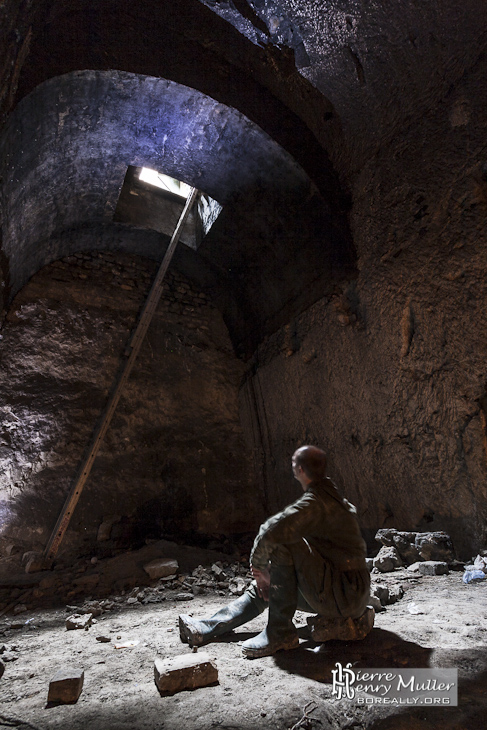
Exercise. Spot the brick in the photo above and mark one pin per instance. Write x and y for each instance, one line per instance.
(161, 568)
(186, 671)
(66, 686)
(433, 567)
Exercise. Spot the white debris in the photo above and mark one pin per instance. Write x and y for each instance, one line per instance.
(415, 609)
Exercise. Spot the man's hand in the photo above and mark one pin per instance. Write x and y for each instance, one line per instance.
(263, 580)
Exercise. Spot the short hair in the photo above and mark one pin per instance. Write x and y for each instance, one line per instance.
(312, 460)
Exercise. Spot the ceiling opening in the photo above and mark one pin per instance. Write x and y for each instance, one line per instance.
(165, 182)
(150, 199)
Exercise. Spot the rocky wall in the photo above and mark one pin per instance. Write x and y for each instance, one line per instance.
(173, 462)
(388, 373)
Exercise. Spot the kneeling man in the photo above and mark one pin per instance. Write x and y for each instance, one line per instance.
(310, 556)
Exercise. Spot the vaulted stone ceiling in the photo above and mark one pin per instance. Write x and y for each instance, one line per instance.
(329, 82)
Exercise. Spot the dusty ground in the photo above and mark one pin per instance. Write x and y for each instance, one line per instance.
(119, 690)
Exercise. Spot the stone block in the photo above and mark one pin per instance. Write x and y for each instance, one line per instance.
(105, 528)
(433, 567)
(79, 621)
(376, 604)
(381, 592)
(35, 564)
(406, 548)
(414, 546)
(414, 567)
(386, 536)
(396, 592)
(186, 671)
(387, 559)
(104, 531)
(237, 586)
(66, 685)
(435, 546)
(161, 568)
(341, 629)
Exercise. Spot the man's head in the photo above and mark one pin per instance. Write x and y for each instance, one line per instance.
(309, 463)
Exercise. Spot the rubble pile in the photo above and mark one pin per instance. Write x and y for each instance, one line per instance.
(224, 579)
(413, 548)
(159, 570)
(385, 594)
(220, 578)
(412, 553)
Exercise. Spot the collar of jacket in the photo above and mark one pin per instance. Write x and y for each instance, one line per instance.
(325, 486)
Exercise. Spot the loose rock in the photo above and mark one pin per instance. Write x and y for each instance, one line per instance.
(66, 686)
(184, 596)
(387, 559)
(433, 567)
(161, 568)
(376, 604)
(402, 541)
(435, 546)
(237, 586)
(414, 546)
(381, 592)
(186, 671)
(79, 621)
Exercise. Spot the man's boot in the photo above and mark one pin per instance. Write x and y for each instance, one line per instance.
(243, 609)
(280, 632)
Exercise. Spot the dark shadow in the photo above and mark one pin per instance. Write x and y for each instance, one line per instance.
(51, 705)
(233, 637)
(379, 649)
(470, 714)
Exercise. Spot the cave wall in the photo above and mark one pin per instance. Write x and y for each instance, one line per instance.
(173, 462)
(388, 373)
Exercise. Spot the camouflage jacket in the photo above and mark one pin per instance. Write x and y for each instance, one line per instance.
(326, 521)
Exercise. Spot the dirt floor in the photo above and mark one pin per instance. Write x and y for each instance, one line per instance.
(119, 690)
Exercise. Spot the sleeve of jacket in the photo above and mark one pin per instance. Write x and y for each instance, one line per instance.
(288, 526)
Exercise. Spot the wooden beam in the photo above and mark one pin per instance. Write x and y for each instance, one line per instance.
(126, 366)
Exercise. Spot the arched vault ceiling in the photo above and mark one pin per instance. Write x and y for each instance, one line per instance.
(381, 64)
(364, 68)
(65, 152)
